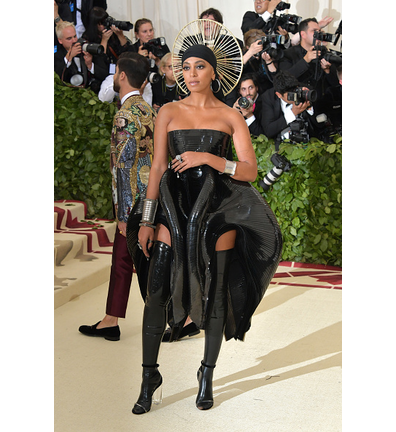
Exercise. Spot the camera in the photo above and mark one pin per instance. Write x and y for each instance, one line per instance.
(282, 6)
(299, 95)
(289, 22)
(153, 77)
(286, 21)
(156, 46)
(91, 48)
(281, 164)
(298, 131)
(332, 56)
(245, 102)
(272, 45)
(324, 37)
(122, 25)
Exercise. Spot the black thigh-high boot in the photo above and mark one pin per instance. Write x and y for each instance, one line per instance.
(214, 331)
(154, 322)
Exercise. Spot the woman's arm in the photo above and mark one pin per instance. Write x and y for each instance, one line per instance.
(158, 167)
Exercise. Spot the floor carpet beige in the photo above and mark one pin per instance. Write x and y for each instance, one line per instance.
(285, 376)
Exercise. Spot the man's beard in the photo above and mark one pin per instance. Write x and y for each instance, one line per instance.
(116, 86)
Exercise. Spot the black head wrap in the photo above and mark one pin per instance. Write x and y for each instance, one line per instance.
(201, 51)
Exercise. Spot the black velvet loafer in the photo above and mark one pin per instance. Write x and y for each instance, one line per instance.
(109, 333)
(189, 330)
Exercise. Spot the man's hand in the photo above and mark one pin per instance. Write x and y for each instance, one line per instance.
(311, 54)
(73, 51)
(272, 5)
(122, 226)
(325, 65)
(298, 109)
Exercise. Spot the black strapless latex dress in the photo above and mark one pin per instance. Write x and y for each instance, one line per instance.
(198, 206)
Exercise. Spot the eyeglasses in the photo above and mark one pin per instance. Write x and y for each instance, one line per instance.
(170, 67)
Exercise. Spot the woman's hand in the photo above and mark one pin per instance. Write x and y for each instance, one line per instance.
(188, 160)
(120, 34)
(106, 35)
(146, 239)
(143, 51)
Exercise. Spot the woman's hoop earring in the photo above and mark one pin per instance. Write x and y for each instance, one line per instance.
(218, 85)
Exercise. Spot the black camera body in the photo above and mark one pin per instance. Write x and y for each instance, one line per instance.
(324, 37)
(300, 95)
(122, 25)
(156, 46)
(298, 131)
(332, 56)
(282, 6)
(281, 164)
(289, 22)
(245, 102)
(91, 48)
(272, 45)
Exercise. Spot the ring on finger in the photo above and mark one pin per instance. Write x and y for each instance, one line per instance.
(179, 158)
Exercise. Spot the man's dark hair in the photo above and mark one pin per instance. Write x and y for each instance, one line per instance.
(285, 82)
(217, 15)
(135, 66)
(248, 76)
(304, 24)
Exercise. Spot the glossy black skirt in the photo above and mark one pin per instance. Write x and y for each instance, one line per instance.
(198, 207)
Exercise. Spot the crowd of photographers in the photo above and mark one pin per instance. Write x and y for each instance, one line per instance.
(290, 87)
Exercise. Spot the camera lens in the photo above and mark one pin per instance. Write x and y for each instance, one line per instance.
(244, 102)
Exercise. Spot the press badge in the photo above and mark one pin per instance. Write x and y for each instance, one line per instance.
(112, 69)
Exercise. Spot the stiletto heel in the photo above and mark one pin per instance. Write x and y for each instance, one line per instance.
(151, 383)
(204, 399)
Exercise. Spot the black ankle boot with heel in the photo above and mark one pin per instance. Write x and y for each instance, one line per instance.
(204, 399)
(151, 383)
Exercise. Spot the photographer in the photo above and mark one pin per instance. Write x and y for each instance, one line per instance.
(144, 33)
(305, 61)
(257, 60)
(100, 30)
(249, 103)
(262, 14)
(279, 112)
(73, 64)
(165, 90)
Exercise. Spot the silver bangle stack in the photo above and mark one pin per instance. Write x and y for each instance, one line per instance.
(230, 167)
(148, 214)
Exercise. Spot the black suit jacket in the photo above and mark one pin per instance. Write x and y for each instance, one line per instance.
(256, 128)
(273, 120)
(252, 20)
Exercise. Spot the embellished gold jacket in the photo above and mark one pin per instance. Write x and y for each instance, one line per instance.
(131, 153)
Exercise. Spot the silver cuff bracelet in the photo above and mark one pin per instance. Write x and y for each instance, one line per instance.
(149, 210)
(230, 167)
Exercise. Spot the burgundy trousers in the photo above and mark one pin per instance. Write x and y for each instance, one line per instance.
(120, 278)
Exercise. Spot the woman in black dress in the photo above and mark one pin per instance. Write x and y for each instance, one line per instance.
(212, 242)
